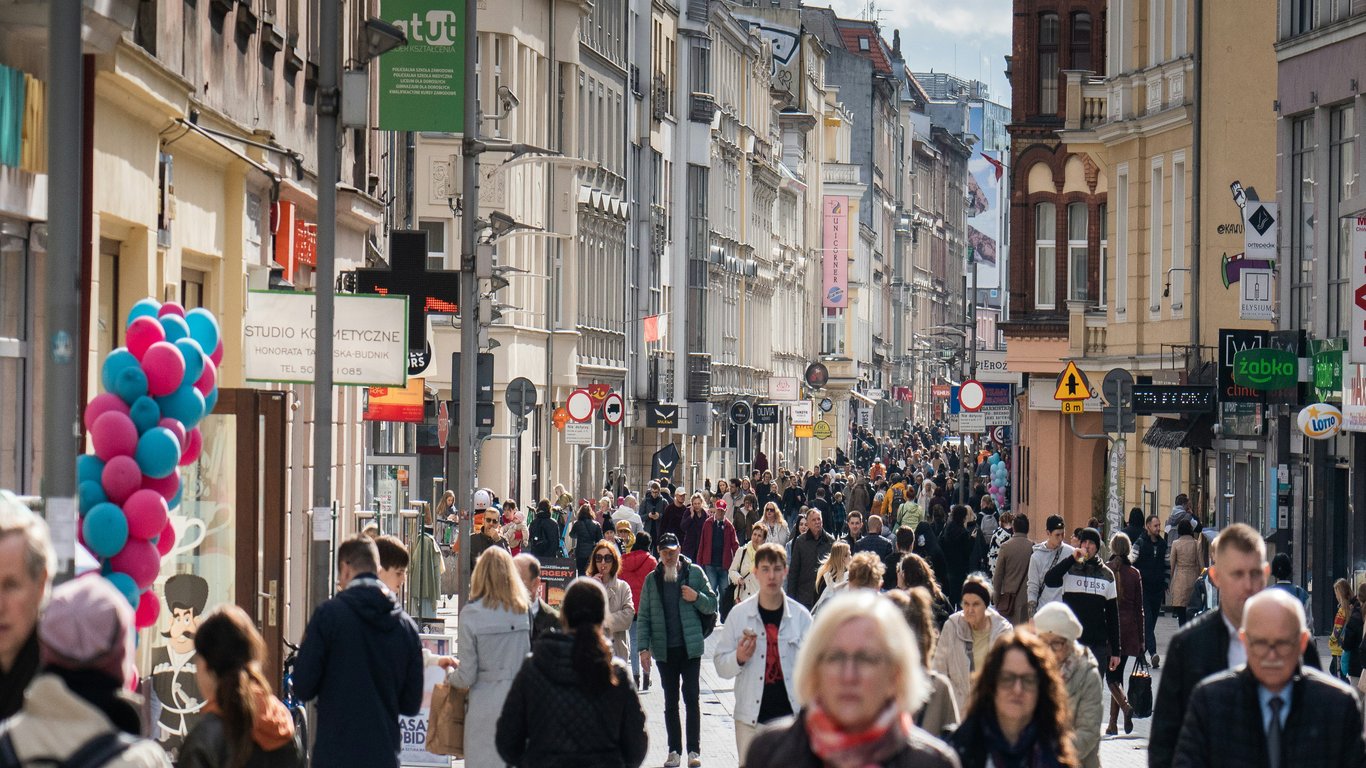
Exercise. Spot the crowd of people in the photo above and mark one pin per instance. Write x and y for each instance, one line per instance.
(866, 616)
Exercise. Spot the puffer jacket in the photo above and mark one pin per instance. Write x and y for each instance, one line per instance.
(1081, 676)
(54, 722)
(651, 632)
(635, 566)
(953, 654)
(551, 719)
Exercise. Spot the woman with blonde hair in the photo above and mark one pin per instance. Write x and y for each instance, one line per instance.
(778, 532)
(833, 575)
(742, 565)
(495, 636)
(865, 571)
(604, 565)
(859, 681)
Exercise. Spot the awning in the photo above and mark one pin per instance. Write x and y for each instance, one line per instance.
(1186, 432)
(863, 397)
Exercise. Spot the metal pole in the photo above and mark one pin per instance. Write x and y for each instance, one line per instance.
(329, 73)
(467, 387)
(66, 176)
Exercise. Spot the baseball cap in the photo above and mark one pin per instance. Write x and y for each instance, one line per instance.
(668, 541)
(1055, 523)
(720, 504)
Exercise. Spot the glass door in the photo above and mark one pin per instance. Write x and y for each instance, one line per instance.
(390, 486)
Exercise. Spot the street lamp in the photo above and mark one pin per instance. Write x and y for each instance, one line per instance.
(381, 37)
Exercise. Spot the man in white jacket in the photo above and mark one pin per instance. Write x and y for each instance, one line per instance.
(758, 649)
(1047, 554)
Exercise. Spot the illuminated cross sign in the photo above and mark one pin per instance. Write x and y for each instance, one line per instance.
(428, 290)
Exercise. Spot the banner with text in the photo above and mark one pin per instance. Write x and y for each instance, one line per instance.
(370, 339)
(422, 84)
(835, 242)
(1356, 287)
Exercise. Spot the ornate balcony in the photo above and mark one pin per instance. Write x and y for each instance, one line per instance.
(1087, 101)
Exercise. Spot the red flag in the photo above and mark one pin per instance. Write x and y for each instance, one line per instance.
(656, 327)
(997, 164)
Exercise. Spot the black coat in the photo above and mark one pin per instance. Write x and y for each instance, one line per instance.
(1196, 651)
(807, 553)
(785, 744)
(1351, 639)
(550, 719)
(547, 618)
(545, 536)
(207, 747)
(1151, 562)
(1224, 725)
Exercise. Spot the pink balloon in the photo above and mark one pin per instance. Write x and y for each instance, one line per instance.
(140, 560)
(102, 404)
(114, 434)
(121, 478)
(193, 442)
(217, 356)
(143, 332)
(165, 367)
(165, 487)
(175, 426)
(147, 514)
(171, 308)
(208, 379)
(165, 541)
(149, 609)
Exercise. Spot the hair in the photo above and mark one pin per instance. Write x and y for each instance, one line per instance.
(835, 563)
(1242, 537)
(16, 519)
(532, 563)
(959, 514)
(1281, 567)
(875, 524)
(852, 515)
(1184, 528)
(1052, 713)
(642, 542)
(1285, 601)
(582, 612)
(1136, 517)
(1120, 546)
(585, 512)
(750, 499)
(770, 553)
(866, 570)
(919, 617)
(917, 573)
(611, 551)
(1020, 524)
(1343, 589)
(359, 554)
(1361, 592)
(1055, 522)
(1182, 499)
(759, 526)
(774, 506)
(905, 538)
(229, 645)
(495, 581)
(913, 685)
(392, 554)
(978, 583)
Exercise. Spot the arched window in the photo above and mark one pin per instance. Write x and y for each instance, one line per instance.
(1050, 35)
(1081, 41)
(1045, 256)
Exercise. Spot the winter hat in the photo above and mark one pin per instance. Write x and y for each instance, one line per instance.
(1058, 619)
(88, 625)
(1091, 535)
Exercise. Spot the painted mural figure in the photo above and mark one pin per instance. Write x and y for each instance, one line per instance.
(173, 667)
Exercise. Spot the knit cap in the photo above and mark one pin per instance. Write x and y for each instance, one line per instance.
(88, 625)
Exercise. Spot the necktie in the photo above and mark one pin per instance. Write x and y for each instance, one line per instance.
(1273, 733)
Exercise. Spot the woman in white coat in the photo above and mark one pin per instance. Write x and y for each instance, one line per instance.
(604, 566)
(778, 532)
(742, 573)
(967, 636)
(495, 637)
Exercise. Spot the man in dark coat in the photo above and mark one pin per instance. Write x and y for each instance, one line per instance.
(544, 533)
(543, 615)
(1207, 646)
(674, 514)
(808, 550)
(1151, 563)
(652, 509)
(1272, 713)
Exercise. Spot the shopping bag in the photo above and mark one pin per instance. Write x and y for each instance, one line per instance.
(446, 725)
(1141, 690)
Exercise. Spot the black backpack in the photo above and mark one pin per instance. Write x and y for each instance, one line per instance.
(94, 753)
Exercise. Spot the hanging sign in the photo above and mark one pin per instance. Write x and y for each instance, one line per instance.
(1320, 421)
(422, 84)
(835, 244)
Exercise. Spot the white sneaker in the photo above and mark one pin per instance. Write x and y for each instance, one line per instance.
(694, 760)
(673, 760)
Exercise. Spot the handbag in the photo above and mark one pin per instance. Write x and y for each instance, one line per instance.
(1141, 690)
(446, 723)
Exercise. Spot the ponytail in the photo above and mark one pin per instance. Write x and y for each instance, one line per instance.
(237, 707)
(593, 658)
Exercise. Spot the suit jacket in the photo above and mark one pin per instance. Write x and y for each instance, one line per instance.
(1197, 650)
(1224, 725)
(547, 618)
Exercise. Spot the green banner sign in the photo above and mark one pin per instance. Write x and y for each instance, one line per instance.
(1265, 369)
(422, 84)
(1328, 368)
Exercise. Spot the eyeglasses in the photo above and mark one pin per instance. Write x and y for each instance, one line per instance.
(1028, 681)
(602, 558)
(1261, 647)
(863, 662)
(1059, 644)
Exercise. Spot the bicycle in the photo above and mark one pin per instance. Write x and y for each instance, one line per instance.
(297, 712)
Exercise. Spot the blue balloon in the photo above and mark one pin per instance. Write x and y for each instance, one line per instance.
(145, 413)
(105, 530)
(175, 328)
(194, 360)
(211, 401)
(89, 468)
(185, 405)
(158, 452)
(91, 494)
(174, 503)
(203, 328)
(125, 585)
(146, 308)
(117, 361)
(131, 384)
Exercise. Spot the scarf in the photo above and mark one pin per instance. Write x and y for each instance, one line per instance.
(1028, 752)
(865, 749)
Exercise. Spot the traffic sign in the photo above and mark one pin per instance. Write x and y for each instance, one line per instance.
(971, 396)
(1074, 406)
(1072, 385)
(740, 413)
(766, 413)
(613, 409)
(520, 396)
(578, 434)
(972, 423)
(580, 405)
(821, 430)
(443, 423)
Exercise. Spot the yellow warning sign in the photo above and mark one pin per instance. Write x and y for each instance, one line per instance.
(1074, 406)
(821, 430)
(803, 430)
(1072, 384)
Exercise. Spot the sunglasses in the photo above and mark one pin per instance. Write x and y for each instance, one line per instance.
(602, 558)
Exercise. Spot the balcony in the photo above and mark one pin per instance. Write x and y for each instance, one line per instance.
(701, 107)
(841, 173)
(1087, 101)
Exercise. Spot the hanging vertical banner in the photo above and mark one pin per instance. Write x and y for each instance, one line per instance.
(835, 243)
(1356, 286)
(422, 84)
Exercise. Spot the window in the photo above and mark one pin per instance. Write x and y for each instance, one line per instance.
(1045, 256)
(1081, 41)
(1342, 185)
(436, 243)
(1178, 28)
(832, 331)
(1155, 275)
(15, 392)
(863, 43)
(1049, 34)
(1301, 16)
(699, 78)
(1121, 242)
(1076, 252)
(1302, 146)
(1178, 274)
(192, 282)
(1104, 254)
(1157, 30)
(110, 315)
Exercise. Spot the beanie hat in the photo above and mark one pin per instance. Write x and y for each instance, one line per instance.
(88, 625)
(975, 587)
(1091, 535)
(1058, 619)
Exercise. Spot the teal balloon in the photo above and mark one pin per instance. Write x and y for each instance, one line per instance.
(185, 405)
(194, 359)
(145, 413)
(89, 468)
(210, 401)
(158, 452)
(130, 384)
(91, 494)
(144, 308)
(203, 328)
(125, 585)
(175, 327)
(105, 530)
(118, 360)
(174, 503)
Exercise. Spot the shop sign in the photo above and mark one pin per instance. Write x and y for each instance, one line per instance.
(422, 84)
(991, 366)
(783, 388)
(1264, 369)
(369, 337)
(1231, 342)
(396, 403)
(835, 243)
(295, 238)
(1320, 421)
(1159, 398)
(941, 391)
(1356, 341)
(1327, 357)
(1354, 398)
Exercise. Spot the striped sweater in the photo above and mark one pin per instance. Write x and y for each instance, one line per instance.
(1088, 588)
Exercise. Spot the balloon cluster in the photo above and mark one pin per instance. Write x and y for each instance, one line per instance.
(144, 426)
(1000, 479)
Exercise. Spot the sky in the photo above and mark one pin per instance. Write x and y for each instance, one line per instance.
(967, 38)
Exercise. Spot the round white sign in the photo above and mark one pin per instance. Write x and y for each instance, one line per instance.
(1320, 421)
(579, 405)
(971, 395)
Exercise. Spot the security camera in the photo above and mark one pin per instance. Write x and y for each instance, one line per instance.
(507, 98)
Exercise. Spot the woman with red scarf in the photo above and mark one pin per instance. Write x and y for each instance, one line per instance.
(859, 682)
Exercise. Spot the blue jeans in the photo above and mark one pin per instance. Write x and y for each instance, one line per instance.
(718, 577)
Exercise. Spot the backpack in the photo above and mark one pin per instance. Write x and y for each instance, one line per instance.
(708, 619)
(96, 752)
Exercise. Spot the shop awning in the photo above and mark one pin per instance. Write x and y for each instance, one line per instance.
(1186, 432)
(860, 396)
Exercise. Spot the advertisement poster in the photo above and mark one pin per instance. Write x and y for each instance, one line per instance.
(835, 242)
(413, 750)
(421, 84)
(369, 337)
(1356, 289)
(556, 573)
(986, 174)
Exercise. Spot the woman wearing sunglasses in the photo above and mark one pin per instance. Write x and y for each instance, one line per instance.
(604, 566)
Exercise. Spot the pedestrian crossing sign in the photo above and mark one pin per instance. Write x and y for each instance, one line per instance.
(1072, 384)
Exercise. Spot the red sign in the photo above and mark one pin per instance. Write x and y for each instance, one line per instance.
(396, 403)
(599, 392)
(941, 391)
(296, 240)
(443, 423)
(903, 394)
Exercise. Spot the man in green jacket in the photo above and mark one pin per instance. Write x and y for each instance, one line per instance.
(669, 629)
